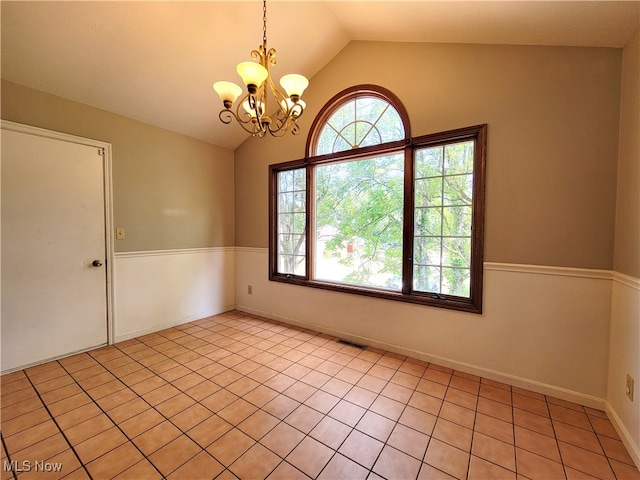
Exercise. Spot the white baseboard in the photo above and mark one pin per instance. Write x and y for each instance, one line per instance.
(632, 448)
(550, 390)
(46, 360)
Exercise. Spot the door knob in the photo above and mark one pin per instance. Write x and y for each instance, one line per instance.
(96, 263)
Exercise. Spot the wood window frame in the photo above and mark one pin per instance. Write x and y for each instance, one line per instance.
(408, 145)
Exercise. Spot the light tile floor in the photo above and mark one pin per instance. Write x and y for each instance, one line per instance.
(240, 396)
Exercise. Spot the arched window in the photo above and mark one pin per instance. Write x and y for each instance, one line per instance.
(373, 211)
(362, 121)
(358, 117)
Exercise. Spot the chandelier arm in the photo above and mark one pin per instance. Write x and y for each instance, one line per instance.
(226, 116)
(289, 125)
(297, 110)
(257, 55)
(242, 113)
(270, 57)
(250, 125)
(260, 107)
(282, 107)
(284, 125)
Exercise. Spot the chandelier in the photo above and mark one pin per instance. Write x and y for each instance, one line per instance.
(252, 111)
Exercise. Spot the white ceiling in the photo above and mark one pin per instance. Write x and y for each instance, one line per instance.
(156, 61)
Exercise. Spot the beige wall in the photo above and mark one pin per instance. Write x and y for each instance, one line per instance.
(552, 115)
(627, 239)
(624, 347)
(169, 191)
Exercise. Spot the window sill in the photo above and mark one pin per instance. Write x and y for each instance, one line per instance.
(449, 302)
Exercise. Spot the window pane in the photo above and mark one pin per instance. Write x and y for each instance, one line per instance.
(458, 189)
(291, 263)
(367, 134)
(285, 202)
(390, 126)
(456, 221)
(343, 116)
(359, 222)
(285, 181)
(340, 145)
(299, 202)
(428, 222)
(458, 158)
(456, 252)
(285, 224)
(360, 122)
(427, 250)
(299, 222)
(426, 279)
(429, 162)
(291, 243)
(325, 140)
(372, 138)
(300, 180)
(456, 281)
(299, 265)
(291, 210)
(428, 192)
(370, 108)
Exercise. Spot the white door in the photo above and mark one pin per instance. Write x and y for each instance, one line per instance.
(54, 299)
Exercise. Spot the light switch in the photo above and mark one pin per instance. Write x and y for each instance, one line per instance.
(119, 233)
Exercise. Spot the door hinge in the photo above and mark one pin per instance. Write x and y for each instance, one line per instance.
(101, 152)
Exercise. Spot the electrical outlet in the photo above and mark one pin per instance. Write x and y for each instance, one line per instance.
(629, 387)
(250, 289)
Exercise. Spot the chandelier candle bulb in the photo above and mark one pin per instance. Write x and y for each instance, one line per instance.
(228, 92)
(252, 74)
(294, 85)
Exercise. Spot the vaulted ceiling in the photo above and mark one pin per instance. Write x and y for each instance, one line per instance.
(156, 61)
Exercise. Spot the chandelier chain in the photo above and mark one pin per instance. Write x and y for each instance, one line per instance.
(264, 22)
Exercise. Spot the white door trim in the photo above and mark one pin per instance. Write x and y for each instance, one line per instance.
(108, 202)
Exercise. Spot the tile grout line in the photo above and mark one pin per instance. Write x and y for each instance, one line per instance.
(4, 445)
(555, 436)
(116, 424)
(153, 407)
(602, 446)
(513, 416)
(513, 429)
(435, 424)
(473, 429)
(56, 421)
